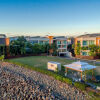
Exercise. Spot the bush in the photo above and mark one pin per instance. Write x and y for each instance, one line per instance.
(66, 80)
(91, 93)
(2, 57)
(80, 85)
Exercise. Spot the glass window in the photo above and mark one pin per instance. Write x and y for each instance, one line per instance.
(85, 42)
(84, 53)
(64, 42)
(64, 50)
(34, 41)
(40, 42)
(64, 46)
(58, 42)
(59, 46)
(78, 42)
(91, 42)
(46, 42)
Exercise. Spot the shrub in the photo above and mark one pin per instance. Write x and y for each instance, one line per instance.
(67, 80)
(80, 85)
(2, 57)
(91, 93)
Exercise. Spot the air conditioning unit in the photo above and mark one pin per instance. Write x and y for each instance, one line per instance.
(54, 66)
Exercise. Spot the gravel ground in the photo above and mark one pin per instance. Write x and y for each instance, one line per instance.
(18, 83)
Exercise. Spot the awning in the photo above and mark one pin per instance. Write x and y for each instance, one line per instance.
(80, 66)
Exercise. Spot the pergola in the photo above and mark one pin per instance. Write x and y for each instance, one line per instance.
(80, 67)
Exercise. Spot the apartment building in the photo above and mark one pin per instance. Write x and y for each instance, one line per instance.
(4, 40)
(86, 40)
(61, 42)
(37, 39)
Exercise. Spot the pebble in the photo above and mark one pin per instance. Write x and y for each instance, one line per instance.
(18, 83)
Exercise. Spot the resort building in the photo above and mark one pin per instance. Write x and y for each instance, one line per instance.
(37, 39)
(61, 42)
(86, 40)
(4, 40)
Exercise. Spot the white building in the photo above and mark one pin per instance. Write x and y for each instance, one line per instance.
(38, 40)
(61, 42)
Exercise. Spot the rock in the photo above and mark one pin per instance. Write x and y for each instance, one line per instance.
(20, 83)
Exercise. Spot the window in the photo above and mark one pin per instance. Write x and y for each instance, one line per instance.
(59, 46)
(34, 41)
(64, 46)
(91, 42)
(41, 42)
(78, 42)
(64, 42)
(85, 43)
(58, 42)
(84, 53)
(64, 50)
(59, 50)
(46, 42)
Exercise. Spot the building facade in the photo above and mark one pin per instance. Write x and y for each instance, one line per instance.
(86, 40)
(38, 40)
(61, 43)
(4, 40)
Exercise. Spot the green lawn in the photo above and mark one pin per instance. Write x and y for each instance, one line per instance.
(40, 61)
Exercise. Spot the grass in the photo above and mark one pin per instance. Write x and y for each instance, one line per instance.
(40, 61)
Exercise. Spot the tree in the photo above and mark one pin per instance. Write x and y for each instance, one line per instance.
(21, 39)
(36, 48)
(18, 46)
(54, 48)
(78, 49)
(93, 50)
(70, 48)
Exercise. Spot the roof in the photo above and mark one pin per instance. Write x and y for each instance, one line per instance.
(60, 38)
(80, 66)
(38, 38)
(2, 36)
(89, 35)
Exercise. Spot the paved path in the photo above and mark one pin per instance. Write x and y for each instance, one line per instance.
(17, 83)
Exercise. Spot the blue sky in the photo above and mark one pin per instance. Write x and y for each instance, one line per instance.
(49, 17)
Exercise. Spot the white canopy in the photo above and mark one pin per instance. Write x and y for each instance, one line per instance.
(80, 66)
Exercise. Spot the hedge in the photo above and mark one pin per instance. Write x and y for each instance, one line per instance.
(79, 85)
